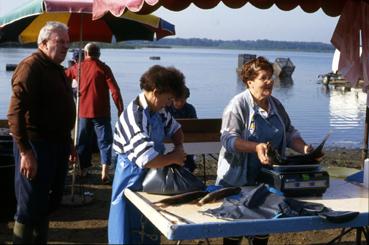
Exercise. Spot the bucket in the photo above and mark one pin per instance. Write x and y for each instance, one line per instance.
(7, 168)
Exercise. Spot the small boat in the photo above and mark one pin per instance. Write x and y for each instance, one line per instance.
(242, 59)
(154, 57)
(10, 67)
(335, 79)
(283, 67)
(332, 78)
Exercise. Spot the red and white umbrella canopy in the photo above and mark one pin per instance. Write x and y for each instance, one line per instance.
(117, 7)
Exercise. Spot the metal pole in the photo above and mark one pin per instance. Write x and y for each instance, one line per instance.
(82, 198)
(364, 153)
(76, 166)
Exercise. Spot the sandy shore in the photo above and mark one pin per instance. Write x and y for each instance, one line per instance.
(88, 224)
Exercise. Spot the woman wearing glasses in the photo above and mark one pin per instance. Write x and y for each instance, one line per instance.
(250, 120)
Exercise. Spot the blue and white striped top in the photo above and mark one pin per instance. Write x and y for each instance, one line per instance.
(132, 134)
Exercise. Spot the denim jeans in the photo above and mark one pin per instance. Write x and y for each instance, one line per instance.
(38, 197)
(104, 135)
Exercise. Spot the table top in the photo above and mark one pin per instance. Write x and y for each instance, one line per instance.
(185, 222)
(197, 147)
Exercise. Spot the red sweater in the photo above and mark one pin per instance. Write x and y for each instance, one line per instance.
(96, 81)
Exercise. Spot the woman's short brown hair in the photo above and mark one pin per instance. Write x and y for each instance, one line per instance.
(250, 70)
(164, 80)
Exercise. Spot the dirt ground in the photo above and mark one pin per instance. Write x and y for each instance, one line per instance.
(87, 224)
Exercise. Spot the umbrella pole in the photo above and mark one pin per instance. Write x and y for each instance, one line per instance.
(77, 166)
(84, 197)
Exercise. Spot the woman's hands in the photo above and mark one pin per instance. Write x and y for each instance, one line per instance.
(178, 154)
(308, 149)
(251, 146)
(299, 145)
(262, 150)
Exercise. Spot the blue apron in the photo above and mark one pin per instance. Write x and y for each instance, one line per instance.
(126, 224)
(265, 130)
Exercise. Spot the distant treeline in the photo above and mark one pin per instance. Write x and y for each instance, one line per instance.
(263, 44)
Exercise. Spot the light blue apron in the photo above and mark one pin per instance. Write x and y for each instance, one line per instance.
(126, 223)
(268, 129)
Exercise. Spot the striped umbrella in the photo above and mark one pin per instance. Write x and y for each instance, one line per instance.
(23, 24)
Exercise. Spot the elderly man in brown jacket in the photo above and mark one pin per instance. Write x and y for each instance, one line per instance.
(41, 116)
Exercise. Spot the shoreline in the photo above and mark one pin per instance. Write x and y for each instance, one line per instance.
(342, 157)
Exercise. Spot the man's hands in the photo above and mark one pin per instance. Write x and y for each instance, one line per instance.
(73, 155)
(28, 166)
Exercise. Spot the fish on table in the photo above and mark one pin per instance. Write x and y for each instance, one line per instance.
(311, 158)
(199, 197)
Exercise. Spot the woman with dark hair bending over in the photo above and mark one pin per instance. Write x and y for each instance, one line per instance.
(250, 120)
(139, 142)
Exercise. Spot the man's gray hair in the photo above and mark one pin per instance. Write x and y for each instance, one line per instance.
(49, 28)
(92, 50)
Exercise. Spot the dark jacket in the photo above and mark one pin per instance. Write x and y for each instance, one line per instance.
(41, 106)
(187, 111)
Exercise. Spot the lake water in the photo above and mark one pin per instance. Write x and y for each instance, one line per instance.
(212, 79)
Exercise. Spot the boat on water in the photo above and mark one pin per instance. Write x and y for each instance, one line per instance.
(242, 59)
(10, 67)
(334, 78)
(283, 68)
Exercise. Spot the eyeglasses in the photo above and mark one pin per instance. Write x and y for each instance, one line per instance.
(267, 78)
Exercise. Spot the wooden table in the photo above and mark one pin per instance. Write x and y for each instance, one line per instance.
(185, 222)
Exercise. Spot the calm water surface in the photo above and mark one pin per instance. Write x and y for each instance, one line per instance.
(211, 77)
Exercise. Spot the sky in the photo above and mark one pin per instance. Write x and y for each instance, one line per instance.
(246, 23)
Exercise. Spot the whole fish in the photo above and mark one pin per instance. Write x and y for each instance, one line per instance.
(310, 158)
(219, 194)
(181, 198)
